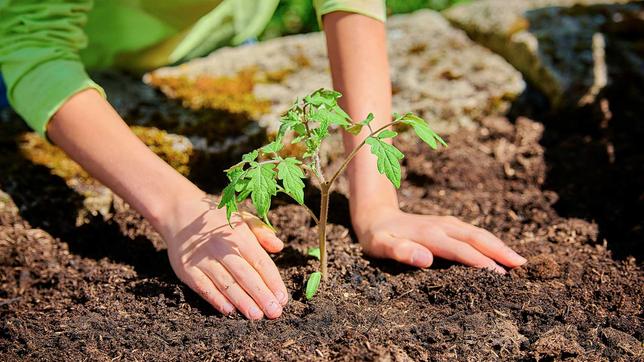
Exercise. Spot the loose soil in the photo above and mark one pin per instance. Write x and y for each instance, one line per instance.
(564, 189)
(105, 290)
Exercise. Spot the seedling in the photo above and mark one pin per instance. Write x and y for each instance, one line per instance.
(263, 173)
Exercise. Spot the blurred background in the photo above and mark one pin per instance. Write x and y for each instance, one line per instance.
(298, 16)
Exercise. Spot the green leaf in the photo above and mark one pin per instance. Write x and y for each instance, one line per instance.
(314, 252)
(367, 120)
(291, 120)
(354, 129)
(262, 187)
(291, 175)
(313, 284)
(250, 156)
(386, 134)
(298, 139)
(388, 159)
(327, 116)
(242, 189)
(422, 130)
(228, 197)
(341, 112)
(273, 147)
(323, 96)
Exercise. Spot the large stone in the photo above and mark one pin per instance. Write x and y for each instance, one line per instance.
(97, 199)
(437, 72)
(559, 45)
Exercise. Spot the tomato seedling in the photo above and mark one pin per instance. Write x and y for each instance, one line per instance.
(263, 173)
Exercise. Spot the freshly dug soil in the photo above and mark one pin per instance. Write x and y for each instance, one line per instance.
(105, 290)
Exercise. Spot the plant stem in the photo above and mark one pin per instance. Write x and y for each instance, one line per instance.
(325, 188)
(324, 212)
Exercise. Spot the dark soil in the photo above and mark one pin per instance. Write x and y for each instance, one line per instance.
(105, 290)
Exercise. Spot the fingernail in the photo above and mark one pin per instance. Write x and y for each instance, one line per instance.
(499, 269)
(421, 258)
(228, 309)
(255, 313)
(274, 309)
(281, 297)
(518, 259)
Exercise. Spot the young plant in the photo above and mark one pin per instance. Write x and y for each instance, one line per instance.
(263, 173)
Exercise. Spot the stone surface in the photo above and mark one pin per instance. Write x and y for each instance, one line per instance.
(559, 45)
(437, 72)
(97, 199)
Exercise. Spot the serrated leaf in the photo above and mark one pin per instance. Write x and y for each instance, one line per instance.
(291, 121)
(242, 189)
(250, 156)
(313, 284)
(329, 116)
(228, 196)
(314, 252)
(388, 159)
(291, 175)
(422, 129)
(262, 186)
(323, 96)
(387, 134)
(273, 147)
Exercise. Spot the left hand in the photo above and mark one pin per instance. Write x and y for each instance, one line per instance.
(388, 232)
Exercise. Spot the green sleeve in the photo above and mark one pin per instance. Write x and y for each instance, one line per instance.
(372, 8)
(39, 61)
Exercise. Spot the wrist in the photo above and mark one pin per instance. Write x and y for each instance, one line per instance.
(167, 211)
(365, 206)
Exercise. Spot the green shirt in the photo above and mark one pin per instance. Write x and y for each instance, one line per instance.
(46, 45)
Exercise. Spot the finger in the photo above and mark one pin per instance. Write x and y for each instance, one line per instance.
(485, 242)
(205, 287)
(446, 247)
(264, 234)
(227, 285)
(402, 250)
(266, 269)
(253, 284)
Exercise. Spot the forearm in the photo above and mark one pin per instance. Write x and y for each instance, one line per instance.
(88, 129)
(360, 70)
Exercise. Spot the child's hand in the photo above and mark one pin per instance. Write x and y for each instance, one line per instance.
(228, 267)
(387, 232)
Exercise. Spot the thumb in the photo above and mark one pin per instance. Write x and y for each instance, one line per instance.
(264, 233)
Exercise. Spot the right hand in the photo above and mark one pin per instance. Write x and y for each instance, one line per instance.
(228, 267)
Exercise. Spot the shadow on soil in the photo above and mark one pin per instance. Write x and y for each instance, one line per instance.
(45, 201)
(594, 154)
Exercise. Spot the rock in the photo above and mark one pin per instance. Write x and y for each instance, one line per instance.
(437, 72)
(559, 45)
(218, 136)
(97, 199)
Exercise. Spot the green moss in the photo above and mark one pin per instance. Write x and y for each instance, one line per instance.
(230, 93)
(37, 150)
(173, 149)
